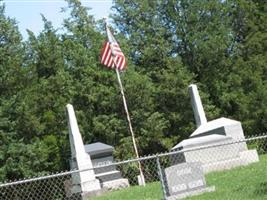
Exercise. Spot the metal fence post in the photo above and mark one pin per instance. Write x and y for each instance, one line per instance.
(162, 182)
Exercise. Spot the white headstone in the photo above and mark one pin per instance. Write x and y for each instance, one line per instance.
(199, 113)
(84, 181)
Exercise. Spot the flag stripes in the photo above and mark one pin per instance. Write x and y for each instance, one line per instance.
(112, 56)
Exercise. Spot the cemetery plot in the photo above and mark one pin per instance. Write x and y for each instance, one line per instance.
(244, 183)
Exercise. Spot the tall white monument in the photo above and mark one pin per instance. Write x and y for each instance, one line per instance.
(83, 182)
(215, 133)
(198, 109)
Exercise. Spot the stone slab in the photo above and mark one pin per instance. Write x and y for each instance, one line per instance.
(109, 176)
(250, 156)
(213, 139)
(191, 193)
(221, 126)
(88, 186)
(212, 154)
(185, 177)
(116, 184)
(223, 165)
(98, 148)
(245, 158)
(95, 193)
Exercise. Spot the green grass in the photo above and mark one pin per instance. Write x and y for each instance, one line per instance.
(150, 192)
(243, 183)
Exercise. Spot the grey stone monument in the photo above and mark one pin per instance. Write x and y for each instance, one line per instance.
(184, 180)
(83, 182)
(102, 155)
(215, 132)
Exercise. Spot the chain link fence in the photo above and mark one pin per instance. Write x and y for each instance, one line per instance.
(218, 171)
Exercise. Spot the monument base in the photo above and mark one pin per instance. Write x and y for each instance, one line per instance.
(88, 186)
(250, 156)
(192, 193)
(95, 193)
(245, 158)
(215, 152)
(109, 176)
(116, 184)
(141, 180)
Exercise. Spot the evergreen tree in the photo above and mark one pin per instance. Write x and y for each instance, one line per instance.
(12, 81)
(246, 95)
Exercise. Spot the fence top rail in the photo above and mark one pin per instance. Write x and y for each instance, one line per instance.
(149, 157)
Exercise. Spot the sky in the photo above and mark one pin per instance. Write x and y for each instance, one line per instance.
(27, 12)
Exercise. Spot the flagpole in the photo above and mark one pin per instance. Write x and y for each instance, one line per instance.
(130, 127)
(111, 38)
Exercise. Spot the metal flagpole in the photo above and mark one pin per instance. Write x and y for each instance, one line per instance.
(111, 38)
(130, 127)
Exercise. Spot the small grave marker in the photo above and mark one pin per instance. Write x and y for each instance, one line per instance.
(186, 179)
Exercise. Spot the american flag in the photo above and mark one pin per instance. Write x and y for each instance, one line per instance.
(111, 55)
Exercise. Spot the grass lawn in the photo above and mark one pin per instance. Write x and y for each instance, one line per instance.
(242, 183)
(150, 192)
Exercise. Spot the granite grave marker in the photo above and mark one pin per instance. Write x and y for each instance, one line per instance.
(102, 155)
(186, 179)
